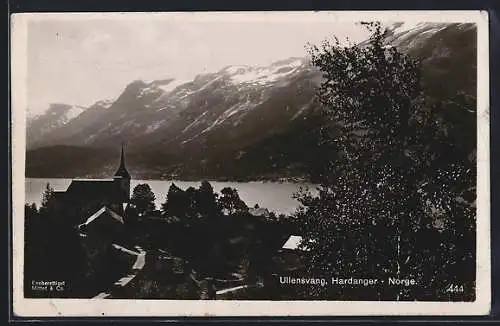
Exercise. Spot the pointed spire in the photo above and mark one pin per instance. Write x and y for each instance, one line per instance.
(122, 170)
(122, 158)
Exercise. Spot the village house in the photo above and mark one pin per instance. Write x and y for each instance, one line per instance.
(104, 224)
(289, 256)
(259, 212)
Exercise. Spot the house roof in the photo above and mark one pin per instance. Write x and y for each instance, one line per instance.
(103, 212)
(293, 243)
(259, 211)
(123, 249)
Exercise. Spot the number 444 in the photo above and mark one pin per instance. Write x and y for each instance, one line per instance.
(453, 288)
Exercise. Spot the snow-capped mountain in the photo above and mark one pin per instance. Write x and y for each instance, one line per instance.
(182, 112)
(55, 117)
(50, 126)
(226, 117)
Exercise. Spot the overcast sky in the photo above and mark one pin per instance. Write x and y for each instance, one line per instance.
(83, 61)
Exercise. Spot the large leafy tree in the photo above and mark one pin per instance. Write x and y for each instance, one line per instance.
(52, 244)
(47, 200)
(175, 203)
(381, 201)
(143, 199)
(230, 201)
(208, 200)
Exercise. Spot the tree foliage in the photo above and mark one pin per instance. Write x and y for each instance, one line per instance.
(174, 203)
(208, 200)
(143, 199)
(47, 200)
(230, 201)
(52, 249)
(192, 203)
(392, 191)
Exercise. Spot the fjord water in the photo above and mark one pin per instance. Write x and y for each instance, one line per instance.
(275, 196)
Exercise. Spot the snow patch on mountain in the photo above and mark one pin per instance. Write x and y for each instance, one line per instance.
(105, 104)
(73, 112)
(173, 85)
(406, 26)
(301, 110)
(217, 122)
(165, 107)
(208, 84)
(401, 31)
(188, 140)
(262, 75)
(151, 128)
(242, 107)
(195, 122)
(407, 36)
(231, 113)
(147, 91)
(236, 69)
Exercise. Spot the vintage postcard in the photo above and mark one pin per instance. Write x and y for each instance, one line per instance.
(250, 164)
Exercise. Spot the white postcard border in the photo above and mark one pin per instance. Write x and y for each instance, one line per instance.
(174, 308)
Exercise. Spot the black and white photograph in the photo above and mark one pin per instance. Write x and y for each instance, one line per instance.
(251, 157)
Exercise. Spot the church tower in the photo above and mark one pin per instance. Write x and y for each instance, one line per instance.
(122, 177)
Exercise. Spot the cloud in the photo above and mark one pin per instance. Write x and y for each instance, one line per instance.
(95, 41)
(83, 61)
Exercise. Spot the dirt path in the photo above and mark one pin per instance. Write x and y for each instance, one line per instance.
(124, 281)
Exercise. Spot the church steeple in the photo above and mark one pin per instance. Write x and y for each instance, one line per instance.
(122, 170)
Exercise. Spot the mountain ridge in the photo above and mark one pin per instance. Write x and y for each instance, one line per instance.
(204, 125)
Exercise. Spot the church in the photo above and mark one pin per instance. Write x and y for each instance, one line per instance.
(88, 201)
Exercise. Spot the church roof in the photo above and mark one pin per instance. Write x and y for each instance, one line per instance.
(100, 189)
(122, 170)
(104, 191)
(58, 194)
